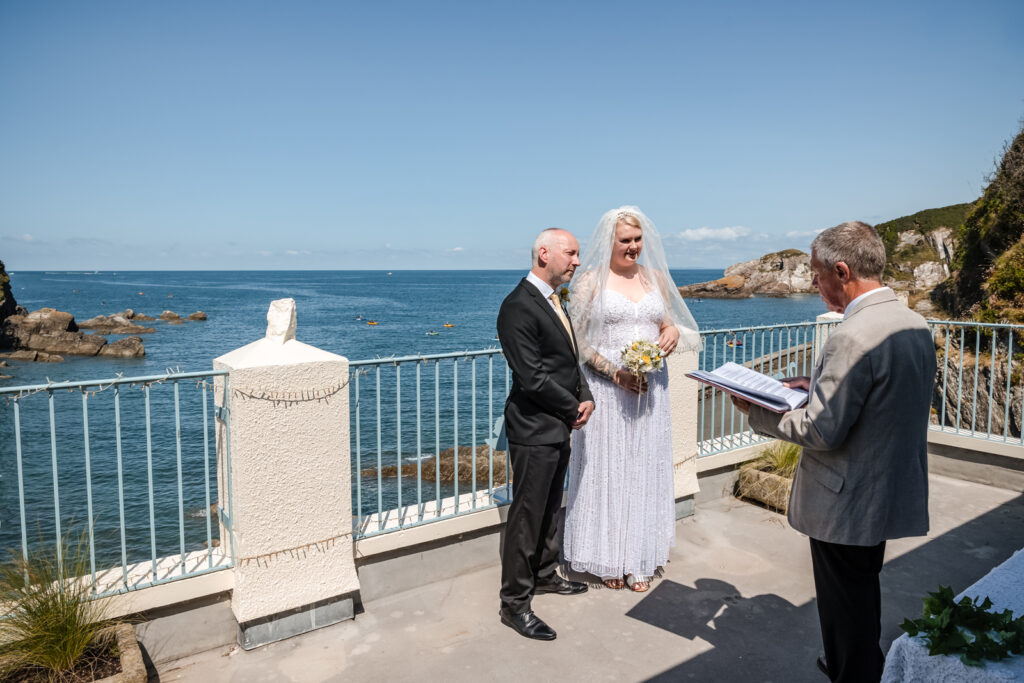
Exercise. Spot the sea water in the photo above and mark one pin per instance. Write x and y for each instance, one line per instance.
(333, 310)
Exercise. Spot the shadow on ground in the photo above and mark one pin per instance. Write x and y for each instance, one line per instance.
(766, 638)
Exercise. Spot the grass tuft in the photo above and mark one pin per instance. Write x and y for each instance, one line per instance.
(48, 618)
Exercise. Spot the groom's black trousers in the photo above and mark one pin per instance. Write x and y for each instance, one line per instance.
(846, 580)
(531, 549)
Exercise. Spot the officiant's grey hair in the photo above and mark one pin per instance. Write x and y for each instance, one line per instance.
(854, 243)
(545, 239)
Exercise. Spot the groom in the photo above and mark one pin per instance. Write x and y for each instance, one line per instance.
(549, 397)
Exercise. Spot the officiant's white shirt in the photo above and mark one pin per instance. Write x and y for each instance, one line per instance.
(544, 288)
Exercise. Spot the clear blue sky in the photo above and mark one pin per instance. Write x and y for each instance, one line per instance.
(255, 135)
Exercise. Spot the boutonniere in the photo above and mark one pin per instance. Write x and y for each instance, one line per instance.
(563, 295)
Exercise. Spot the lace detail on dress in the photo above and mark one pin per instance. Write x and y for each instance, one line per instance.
(620, 516)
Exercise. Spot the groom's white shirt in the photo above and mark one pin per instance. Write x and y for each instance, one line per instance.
(544, 288)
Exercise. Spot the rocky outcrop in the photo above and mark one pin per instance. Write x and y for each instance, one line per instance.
(169, 315)
(8, 306)
(114, 324)
(778, 274)
(128, 347)
(55, 332)
(991, 377)
(34, 356)
(428, 467)
(198, 315)
(929, 274)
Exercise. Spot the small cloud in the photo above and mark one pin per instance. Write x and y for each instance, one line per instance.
(264, 252)
(297, 252)
(20, 238)
(727, 234)
(803, 233)
(458, 249)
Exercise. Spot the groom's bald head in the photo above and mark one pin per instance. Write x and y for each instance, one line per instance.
(556, 254)
(548, 239)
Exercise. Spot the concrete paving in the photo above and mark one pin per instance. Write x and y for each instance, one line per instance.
(736, 604)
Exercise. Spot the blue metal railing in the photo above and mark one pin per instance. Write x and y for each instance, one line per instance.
(416, 420)
(138, 447)
(776, 350)
(980, 381)
(978, 385)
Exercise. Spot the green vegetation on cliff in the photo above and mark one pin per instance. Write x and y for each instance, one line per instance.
(924, 222)
(988, 277)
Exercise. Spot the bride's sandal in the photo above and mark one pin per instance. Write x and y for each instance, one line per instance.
(637, 585)
(615, 584)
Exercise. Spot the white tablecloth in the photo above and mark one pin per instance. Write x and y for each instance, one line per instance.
(908, 658)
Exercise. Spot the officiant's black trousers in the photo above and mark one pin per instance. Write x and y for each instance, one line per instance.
(531, 549)
(849, 608)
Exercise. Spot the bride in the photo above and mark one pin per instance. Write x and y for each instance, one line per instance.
(620, 516)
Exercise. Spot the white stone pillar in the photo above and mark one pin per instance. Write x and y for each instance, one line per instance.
(290, 503)
(822, 330)
(683, 395)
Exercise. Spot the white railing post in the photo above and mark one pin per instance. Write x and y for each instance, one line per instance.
(287, 494)
(683, 394)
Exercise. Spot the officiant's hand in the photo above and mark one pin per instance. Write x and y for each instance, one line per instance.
(668, 339)
(630, 382)
(797, 383)
(741, 405)
(586, 409)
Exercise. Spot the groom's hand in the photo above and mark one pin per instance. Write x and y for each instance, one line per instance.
(586, 409)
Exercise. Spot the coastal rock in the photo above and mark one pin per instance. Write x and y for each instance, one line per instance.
(55, 332)
(428, 467)
(141, 316)
(198, 315)
(909, 238)
(942, 242)
(169, 315)
(128, 347)
(927, 275)
(8, 306)
(114, 324)
(778, 274)
(35, 356)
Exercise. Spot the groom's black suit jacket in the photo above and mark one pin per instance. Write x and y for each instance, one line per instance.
(547, 385)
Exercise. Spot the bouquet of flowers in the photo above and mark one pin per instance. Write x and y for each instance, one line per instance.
(641, 357)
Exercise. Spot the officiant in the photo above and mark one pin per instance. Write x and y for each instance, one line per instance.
(863, 473)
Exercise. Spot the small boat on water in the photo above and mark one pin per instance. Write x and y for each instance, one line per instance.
(449, 325)
(359, 317)
(372, 322)
(734, 342)
(432, 333)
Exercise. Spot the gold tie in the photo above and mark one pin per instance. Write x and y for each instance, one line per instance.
(556, 300)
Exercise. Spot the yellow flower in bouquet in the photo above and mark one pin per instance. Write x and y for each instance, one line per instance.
(641, 357)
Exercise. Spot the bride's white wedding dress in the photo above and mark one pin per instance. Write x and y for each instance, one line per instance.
(620, 517)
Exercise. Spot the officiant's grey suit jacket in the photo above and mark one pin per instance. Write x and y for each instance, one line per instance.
(863, 474)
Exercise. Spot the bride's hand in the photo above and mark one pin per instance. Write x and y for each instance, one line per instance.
(630, 382)
(668, 339)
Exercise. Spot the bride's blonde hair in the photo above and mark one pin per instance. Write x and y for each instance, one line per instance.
(629, 219)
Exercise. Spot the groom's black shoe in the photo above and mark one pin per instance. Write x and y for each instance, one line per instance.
(527, 624)
(560, 586)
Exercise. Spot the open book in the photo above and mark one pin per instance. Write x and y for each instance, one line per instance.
(750, 385)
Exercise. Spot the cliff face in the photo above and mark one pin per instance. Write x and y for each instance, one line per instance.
(777, 274)
(988, 279)
(920, 247)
